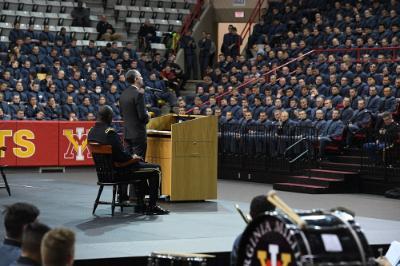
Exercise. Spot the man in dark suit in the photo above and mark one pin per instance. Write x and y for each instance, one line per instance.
(103, 133)
(134, 114)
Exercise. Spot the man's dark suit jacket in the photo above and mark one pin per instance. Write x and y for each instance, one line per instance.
(134, 114)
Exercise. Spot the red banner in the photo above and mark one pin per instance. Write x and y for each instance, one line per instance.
(49, 143)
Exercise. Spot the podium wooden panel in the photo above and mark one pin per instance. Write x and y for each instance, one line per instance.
(187, 152)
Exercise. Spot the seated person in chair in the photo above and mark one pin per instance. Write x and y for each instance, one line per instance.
(386, 137)
(103, 133)
(332, 129)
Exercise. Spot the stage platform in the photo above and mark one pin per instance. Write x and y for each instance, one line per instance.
(66, 199)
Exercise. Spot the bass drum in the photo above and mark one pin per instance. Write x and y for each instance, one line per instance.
(327, 239)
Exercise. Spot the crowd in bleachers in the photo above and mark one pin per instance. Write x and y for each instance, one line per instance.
(47, 76)
(361, 82)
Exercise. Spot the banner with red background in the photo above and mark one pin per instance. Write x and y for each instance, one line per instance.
(47, 143)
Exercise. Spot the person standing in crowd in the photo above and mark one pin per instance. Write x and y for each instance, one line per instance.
(188, 44)
(227, 41)
(387, 135)
(58, 247)
(30, 248)
(133, 110)
(213, 50)
(106, 30)
(80, 16)
(147, 34)
(16, 217)
(204, 45)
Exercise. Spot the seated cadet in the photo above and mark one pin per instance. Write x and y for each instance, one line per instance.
(257, 108)
(328, 108)
(386, 136)
(303, 120)
(361, 119)
(319, 121)
(85, 108)
(333, 128)
(336, 98)
(228, 119)
(263, 120)
(347, 111)
(388, 101)
(103, 133)
(373, 101)
(247, 119)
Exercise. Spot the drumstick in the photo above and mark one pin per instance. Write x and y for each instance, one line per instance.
(246, 218)
(279, 203)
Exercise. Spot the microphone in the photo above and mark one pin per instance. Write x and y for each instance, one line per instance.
(152, 89)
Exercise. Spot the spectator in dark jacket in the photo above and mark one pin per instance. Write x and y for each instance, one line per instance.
(106, 30)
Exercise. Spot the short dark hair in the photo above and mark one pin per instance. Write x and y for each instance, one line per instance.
(260, 204)
(16, 216)
(32, 237)
(105, 114)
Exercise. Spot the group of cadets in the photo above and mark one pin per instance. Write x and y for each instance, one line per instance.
(46, 76)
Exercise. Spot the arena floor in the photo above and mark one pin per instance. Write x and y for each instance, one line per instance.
(67, 200)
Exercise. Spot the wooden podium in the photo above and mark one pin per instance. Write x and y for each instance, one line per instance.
(186, 148)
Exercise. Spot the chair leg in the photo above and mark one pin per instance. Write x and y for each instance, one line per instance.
(96, 203)
(120, 198)
(5, 181)
(113, 200)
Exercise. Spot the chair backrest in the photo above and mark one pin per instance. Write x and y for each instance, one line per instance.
(102, 157)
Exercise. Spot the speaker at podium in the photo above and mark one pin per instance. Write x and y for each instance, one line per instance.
(186, 148)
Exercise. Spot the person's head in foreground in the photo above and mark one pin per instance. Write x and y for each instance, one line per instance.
(58, 247)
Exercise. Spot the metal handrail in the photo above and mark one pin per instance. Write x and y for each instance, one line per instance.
(293, 145)
(247, 28)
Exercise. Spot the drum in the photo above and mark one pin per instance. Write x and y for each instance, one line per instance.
(176, 259)
(329, 238)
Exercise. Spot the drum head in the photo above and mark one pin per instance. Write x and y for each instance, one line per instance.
(268, 241)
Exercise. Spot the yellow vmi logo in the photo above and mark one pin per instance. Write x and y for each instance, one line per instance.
(274, 260)
(77, 146)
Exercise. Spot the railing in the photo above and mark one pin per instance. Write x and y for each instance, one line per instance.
(301, 143)
(381, 159)
(392, 54)
(189, 19)
(273, 71)
(247, 28)
(266, 148)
